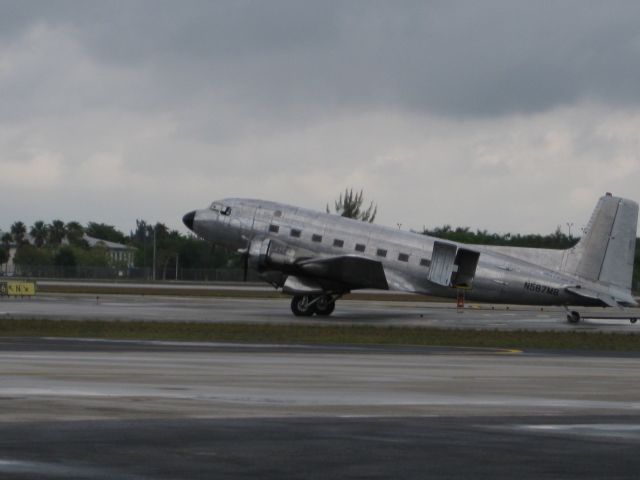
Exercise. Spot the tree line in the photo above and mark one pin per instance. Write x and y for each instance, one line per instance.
(556, 240)
(63, 244)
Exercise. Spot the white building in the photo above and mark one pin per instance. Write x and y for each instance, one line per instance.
(119, 255)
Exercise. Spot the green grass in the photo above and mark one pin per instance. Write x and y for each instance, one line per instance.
(123, 289)
(116, 289)
(315, 334)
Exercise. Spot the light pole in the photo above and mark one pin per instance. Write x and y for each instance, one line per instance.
(154, 253)
(569, 224)
(144, 253)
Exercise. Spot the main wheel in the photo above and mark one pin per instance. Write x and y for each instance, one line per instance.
(300, 306)
(325, 306)
(573, 317)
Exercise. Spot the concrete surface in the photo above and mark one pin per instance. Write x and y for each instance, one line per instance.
(251, 310)
(102, 409)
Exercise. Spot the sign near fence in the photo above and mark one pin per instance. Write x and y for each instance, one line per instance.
(17, 289)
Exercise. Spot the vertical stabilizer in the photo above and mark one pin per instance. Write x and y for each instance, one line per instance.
(606, 251)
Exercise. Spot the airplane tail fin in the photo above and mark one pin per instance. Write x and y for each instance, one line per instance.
(606, 251)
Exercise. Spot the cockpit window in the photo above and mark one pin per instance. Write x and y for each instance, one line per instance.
(221, 209)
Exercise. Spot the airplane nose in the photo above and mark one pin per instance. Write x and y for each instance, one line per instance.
(188, 219)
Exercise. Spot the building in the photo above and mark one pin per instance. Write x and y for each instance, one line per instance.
(121, 256)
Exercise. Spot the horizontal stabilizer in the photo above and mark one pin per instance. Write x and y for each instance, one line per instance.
(598, 299)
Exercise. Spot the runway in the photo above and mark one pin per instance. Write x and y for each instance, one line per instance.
(135, 410)
(103, 409)
(277, 310)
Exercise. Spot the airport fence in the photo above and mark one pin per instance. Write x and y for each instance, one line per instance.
(137, 274)
(145, 274)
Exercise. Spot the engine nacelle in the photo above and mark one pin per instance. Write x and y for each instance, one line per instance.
(267, 254)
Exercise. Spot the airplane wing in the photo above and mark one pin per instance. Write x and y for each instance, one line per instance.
(348, 271)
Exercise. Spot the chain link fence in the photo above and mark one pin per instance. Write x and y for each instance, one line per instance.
(146, 274)
(140, 274)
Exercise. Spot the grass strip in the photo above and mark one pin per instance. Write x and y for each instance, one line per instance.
(148, 291)
(116, 289)
(319, 334)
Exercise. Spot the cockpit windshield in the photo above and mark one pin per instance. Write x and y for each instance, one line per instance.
(220, 208)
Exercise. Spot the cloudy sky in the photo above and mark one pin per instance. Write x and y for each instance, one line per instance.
(504, 115)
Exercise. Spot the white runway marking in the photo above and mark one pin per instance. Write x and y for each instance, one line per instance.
(597, 430)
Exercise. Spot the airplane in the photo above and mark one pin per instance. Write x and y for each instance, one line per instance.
(319, 257)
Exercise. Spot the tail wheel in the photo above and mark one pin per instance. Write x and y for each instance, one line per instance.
(325, 305)
(301, 306)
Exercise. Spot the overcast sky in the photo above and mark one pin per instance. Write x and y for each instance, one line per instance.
(501, 115)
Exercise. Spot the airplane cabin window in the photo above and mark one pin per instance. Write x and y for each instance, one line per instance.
(226, 211)
(338, 243)
(424, 262)
(381, 252)
(403, 257)
(360, 247)
(295, 233)
(274, 228)
(316, 238)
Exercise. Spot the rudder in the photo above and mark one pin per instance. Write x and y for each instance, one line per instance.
(606, 251)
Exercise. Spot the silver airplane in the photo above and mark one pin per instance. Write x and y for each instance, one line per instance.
(318, 257)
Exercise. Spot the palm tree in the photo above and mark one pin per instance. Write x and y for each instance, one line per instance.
(351, 204)
(75, 233)
(6, 240)
(39, 232)
(19, 233)
(6, 247)
(57, 232)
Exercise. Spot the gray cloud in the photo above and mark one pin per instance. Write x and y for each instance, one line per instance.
(302, 59)
(139, 102)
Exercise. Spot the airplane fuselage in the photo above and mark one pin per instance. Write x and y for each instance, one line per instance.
(292, 235)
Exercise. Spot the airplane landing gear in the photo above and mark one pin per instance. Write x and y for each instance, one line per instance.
(325, 305)
(307, 305)
(633, 320)
(302, 306)
(573, 317)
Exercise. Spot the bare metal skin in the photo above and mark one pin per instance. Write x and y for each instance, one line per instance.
(318, 257)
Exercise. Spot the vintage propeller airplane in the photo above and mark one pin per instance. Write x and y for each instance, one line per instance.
(318, 257)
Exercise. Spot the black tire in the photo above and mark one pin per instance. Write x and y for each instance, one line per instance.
(573, 317)
(300, 306)
(325, 307)
(633, 320)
